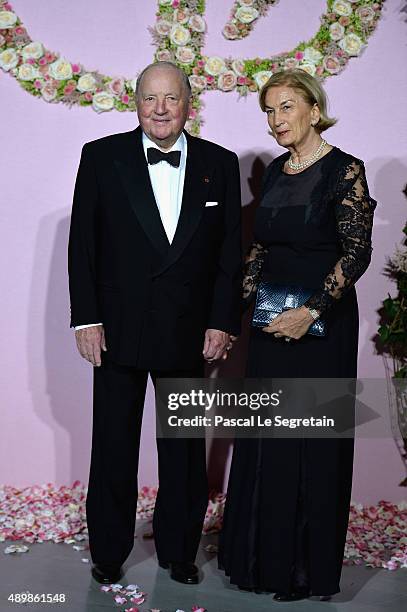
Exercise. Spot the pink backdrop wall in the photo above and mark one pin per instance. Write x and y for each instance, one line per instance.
(45, 387)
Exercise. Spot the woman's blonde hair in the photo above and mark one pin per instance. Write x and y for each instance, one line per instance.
(307, 86)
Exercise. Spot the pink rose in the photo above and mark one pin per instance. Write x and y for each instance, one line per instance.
(175, 3)
(7, 7)
(88, 96)
(164, 55)
(20, 31)
(198, 83)
(116, 86)
(49, 56)
(48, 92)
(185, 55)
(76, 68)
(365, 14)
(227, 80)
(30, 60)
(201, 63)
(42, 61)
(68, 89)
(197, 23)
(344, 21)
(290, 63)
(299, 55)
(37, 84)
(192, 114)
(210, 79)
(125, 98)
(181, 15)
(241, 80)
(163, 27)
(230, 31)
(319, 71)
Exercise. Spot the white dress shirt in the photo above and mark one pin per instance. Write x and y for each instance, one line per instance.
(168, 186)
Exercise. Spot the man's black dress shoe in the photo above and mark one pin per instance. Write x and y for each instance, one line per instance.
(106, 574)
(294, 596)
(187, 573)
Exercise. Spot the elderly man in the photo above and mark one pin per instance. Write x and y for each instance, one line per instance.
(154, 277)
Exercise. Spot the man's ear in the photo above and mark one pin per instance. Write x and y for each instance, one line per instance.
(189, 106)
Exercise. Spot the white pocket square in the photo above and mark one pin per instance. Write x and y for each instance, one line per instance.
(211, 203)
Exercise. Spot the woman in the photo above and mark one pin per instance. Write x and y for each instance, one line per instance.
(288, 500)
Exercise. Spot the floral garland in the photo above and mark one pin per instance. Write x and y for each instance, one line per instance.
(179, 34)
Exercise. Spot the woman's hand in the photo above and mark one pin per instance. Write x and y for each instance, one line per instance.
(293, 323)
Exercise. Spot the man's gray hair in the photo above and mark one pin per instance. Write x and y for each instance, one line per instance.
(184, 78)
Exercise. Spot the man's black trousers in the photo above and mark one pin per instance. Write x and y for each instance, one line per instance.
(111, 504)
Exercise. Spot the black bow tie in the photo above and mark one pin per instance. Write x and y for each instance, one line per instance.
(155, 155)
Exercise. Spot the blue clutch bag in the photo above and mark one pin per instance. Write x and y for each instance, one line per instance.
(272, 300)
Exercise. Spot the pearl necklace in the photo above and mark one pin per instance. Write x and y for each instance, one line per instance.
(308, 161)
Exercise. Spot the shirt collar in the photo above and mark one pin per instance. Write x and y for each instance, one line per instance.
(179, 145)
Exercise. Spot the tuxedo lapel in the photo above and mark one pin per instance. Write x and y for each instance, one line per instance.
(132, 166)
(196, 184)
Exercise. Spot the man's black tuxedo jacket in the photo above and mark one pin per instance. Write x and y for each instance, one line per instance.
(155, 299)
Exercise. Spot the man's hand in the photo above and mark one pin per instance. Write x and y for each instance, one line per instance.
(90, 342)
(293, 323)
(216, 345)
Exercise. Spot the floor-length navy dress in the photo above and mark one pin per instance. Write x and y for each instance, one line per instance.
(287, 505)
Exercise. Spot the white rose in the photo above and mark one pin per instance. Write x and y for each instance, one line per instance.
(165, 2)
(163, 27)
(336, 31)
(342, 7)
(86, 82)
(185, 55)
(198, 83)
(180, 35)
(102, 101)
(132, 84)
(33, 50)
(8, 19)
(197, 23)
(60, 69)
(238, 67)
(27, 72)
(227, 80)
(8, 59)
(308, 67)
(352, 44)
(246, 2)
(262, 77)
(246, 14)
(312, 55)
(49, 92)
(215, 65)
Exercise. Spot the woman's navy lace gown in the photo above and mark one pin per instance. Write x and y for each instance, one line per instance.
(287, 506)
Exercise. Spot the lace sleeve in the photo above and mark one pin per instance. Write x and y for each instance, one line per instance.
(252, 272)
(354, 217)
